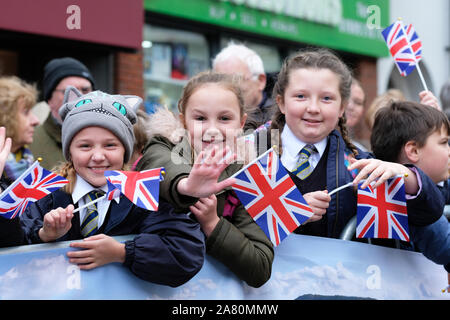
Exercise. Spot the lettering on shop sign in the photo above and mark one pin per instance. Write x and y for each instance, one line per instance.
(74, 19)
(321, 11)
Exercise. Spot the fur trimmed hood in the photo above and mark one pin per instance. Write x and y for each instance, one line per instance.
(164, 123)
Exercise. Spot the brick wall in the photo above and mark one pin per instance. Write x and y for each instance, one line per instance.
(128, 74)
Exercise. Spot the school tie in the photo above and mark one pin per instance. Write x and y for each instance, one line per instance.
(89, 225)
(304, 168)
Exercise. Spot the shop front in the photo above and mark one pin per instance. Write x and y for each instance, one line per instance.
(181, 38)
(94, 32)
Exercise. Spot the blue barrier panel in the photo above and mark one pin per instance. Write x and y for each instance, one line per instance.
(304, 268)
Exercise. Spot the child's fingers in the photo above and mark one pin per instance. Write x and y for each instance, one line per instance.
(194, 210)
(200, 205)
(225, 184)
(365, 166)
(81, 260)
(94, 237)
(49, 221)
(210, 156)
(200, 159)
(82, 245)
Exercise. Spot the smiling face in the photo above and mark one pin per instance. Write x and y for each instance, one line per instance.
(312, 103)
(212, 116)
(433, 157)
(355, 107)
(26, 122)
(94, 150)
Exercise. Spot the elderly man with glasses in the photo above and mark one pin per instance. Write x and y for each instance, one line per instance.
(58, 75)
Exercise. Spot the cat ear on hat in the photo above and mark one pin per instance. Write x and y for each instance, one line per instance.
(134, 102)
(71, 94)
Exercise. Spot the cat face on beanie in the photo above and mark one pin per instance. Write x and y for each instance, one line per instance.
(115, 113)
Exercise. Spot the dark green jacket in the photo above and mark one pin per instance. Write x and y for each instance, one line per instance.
(238, 242)
(47, 143)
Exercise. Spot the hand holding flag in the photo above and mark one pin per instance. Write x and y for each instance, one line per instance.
(270, 196)
(32, 185)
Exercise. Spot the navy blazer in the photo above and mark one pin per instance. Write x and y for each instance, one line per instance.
(169, 248)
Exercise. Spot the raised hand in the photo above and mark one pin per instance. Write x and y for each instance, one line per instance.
(202, 180)
(428, 98)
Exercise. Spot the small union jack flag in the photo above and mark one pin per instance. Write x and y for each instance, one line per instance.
(414, 41)
(271, 197)
(32, 185)
(381, 212)
(400, 48)
(142, 188)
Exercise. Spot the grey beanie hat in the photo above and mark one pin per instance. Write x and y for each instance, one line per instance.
(116, 113)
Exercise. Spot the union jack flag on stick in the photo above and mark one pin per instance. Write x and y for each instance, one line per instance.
(381, 212)
(142, 188)
(399, 47)
(32, 185)
(271, 197)
(405, 47)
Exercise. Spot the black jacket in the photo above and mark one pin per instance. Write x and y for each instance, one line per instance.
(168, 249)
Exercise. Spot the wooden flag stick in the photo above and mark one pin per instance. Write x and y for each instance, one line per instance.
(421, 76)
(422, 79)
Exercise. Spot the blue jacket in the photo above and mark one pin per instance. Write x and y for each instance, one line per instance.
(433, 241)
(169, 248)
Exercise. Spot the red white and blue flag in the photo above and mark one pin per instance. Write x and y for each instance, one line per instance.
(140, 187)
(414, 41)
(381, 212)
(271, 198)
(32, 185)
(399, 46)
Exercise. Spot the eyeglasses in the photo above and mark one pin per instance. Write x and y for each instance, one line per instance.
(83, 90)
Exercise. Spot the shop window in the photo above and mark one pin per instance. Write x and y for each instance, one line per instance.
(171, 57)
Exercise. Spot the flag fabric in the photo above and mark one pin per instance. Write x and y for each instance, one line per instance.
(140, 187)
(414, 41)
(271, 198)
(381, 212)
(112, 192)
(399, 46)
(35, 183)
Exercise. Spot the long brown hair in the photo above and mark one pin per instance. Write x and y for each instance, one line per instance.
(228, 81)
(314, 59)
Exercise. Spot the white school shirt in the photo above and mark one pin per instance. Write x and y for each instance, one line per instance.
(79, 194)
(292, 146)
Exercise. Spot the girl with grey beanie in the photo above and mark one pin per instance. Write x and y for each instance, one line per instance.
(97, 135)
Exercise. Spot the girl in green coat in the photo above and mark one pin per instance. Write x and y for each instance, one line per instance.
(211, 119)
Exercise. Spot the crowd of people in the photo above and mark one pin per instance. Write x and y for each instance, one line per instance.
(311, 113)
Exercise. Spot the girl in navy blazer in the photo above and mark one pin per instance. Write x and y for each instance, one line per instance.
(97, 135)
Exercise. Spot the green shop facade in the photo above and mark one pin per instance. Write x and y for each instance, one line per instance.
(180, 37)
